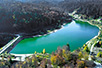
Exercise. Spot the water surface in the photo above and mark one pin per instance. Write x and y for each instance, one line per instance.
(74, 33)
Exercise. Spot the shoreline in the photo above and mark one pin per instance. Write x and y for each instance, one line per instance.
(53, 31)
(63, 26)
(92, 25)
(94, 36)
(77, 18)
(39, 36)
(47, 34)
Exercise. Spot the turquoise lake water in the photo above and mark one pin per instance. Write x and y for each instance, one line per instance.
(75, 33)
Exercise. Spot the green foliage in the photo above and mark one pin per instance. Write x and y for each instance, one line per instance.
(48, 31)
(86, 49)
(99, 54)
(99, 61)
(13, 16)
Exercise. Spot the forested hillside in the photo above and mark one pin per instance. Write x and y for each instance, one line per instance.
(91, 8)
(36, 16)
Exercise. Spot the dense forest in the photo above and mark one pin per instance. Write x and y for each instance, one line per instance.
(29, 18)
(87, 7)
(32, 17)
(38, 17)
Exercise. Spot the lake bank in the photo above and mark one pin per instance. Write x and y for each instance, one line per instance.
(49, 32)
(91, 22)
(71, 33)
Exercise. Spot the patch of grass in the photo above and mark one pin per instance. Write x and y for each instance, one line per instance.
(48, 31)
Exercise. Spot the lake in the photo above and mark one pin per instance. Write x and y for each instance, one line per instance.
(75, 33)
